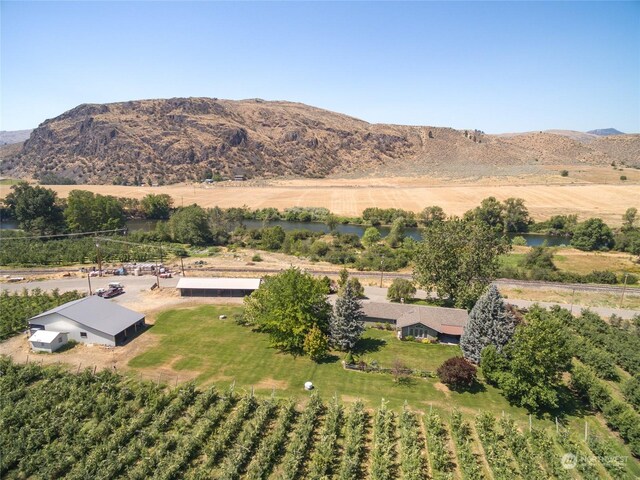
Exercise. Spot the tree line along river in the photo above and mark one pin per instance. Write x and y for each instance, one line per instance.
(532, 239)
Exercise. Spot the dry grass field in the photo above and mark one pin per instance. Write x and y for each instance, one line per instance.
(544, 195)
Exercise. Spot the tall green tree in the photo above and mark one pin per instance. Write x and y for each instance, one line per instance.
(190, 225)
(370, 237)
(36, 209)
(457, 259)
(592, 234)
(346, 324)
(396, 233)
(490, 212)
(516, 216)
(490, 323)
(401, 288)
(287, 306)
(529, 370)
(88, 212)
(431, 214)
(157, 207)
(629, 218)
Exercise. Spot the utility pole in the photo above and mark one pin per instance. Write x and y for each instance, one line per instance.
(381, 269)
(624, 288)
(182, 264)
(89, 280)
(99, 259)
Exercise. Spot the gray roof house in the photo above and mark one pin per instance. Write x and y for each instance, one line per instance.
(435, 323)
(91, 320)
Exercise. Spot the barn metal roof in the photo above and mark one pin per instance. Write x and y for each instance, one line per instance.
(97, 313)
(219, 283)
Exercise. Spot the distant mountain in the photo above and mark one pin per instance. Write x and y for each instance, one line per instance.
(181, 139)
(606, 131)
(15, 136)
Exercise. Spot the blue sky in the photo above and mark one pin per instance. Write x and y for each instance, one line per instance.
(498, 67)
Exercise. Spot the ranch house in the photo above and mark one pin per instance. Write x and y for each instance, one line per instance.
(445, 325)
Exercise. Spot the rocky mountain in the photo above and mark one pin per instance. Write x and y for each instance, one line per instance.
(9, 137)
(606, 131)
(181, 139)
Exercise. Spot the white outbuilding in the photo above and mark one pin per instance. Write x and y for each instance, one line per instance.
(91, 320)
(48, 341)
(217, 286)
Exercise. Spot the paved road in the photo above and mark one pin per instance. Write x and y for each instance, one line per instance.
(135, 285)
(579, 287)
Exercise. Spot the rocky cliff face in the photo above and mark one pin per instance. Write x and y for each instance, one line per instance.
(180, 139)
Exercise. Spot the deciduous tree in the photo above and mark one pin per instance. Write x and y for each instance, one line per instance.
(592, 234)
(36, 209)
(287, 306)
(371, 236)
(87, 212)
(157, 206)
(457, 259)
(535, 360)
(401, 288)
(190, 225)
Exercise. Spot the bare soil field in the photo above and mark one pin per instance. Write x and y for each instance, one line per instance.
(545, 195)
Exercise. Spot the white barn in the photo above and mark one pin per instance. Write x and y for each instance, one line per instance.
(91, 320)
(48, 341)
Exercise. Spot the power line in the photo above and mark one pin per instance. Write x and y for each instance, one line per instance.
(64, 234)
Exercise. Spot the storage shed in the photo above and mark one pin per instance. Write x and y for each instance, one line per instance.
(48, 341)
(217, 287)
(91, 320)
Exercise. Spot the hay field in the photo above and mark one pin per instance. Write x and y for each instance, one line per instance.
(352, 196)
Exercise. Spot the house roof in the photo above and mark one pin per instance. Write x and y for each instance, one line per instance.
(450, 321)
(387, 311)
(97, 313)
(44, 336)
(219, 283)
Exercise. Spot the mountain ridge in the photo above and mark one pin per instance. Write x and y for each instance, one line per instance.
(183, 139)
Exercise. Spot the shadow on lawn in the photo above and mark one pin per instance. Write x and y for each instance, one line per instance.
(368, 345)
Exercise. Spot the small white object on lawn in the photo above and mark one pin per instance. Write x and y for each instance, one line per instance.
(222, 317)
(308, 386)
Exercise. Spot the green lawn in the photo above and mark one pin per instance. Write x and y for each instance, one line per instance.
(222, 352)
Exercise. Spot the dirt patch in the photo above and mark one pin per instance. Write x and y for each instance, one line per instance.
(270, 383)
(441, 387)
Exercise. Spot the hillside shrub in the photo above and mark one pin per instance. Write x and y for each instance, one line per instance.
(604, 276)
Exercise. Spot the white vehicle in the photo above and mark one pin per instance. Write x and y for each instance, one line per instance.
(115, 285)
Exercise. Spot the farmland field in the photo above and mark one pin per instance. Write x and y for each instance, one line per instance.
(351, 196)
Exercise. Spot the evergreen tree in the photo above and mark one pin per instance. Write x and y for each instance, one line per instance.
(490, 323)
(346, 323)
